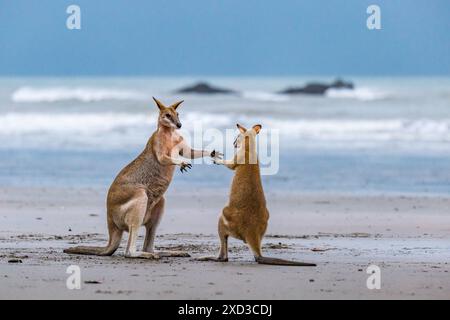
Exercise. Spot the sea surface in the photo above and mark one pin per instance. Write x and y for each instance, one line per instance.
(388, 135)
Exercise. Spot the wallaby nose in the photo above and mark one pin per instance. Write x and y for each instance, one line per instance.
(178, 125)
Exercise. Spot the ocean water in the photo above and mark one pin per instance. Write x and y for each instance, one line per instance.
(388, 135)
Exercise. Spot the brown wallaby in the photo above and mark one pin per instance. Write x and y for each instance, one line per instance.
(136, 197)
(246, 215)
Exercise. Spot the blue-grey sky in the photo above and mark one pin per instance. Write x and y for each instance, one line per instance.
(224, 37)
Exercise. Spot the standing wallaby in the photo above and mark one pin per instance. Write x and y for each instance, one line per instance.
(246, 215)
(136, 197)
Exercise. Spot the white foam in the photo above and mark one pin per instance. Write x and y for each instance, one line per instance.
(64, 123)
(361, 93)
(84, 94)
(123, 130)
(367, 130)
(264, 96)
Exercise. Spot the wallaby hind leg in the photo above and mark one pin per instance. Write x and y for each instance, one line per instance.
(223, 236)
(134, 218)
(115, 236)
(131, 251)
(254, 242)
(156, 214)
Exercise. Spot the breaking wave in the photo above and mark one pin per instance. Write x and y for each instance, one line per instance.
(122, 130)
(55, 94)
(363, 94)
(264, 96)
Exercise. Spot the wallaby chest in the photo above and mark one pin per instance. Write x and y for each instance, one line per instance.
(167, 143)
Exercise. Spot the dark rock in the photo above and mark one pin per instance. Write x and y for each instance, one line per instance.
(318, 88)
(204, 88)
(14, 261)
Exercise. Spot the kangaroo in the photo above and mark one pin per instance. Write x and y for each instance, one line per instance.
(246, 215)
(136, 197)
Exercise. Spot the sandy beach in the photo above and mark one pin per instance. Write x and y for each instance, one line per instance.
(407, 236)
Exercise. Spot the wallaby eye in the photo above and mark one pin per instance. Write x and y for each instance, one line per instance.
(168, 116)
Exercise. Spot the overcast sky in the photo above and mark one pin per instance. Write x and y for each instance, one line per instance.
(225, 37)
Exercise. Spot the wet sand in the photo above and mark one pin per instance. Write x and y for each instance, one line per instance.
(408, 237)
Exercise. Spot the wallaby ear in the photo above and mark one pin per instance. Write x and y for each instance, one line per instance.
(159, 104)
(257, 128)
(241, 128)
(177, 104)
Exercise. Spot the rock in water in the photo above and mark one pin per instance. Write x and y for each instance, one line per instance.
(204, 88)
(318, 88)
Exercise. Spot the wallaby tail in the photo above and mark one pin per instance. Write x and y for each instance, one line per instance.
(282, 262)
(96, 251)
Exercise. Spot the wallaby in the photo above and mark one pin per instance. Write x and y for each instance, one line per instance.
(136, 197)
(246, 215)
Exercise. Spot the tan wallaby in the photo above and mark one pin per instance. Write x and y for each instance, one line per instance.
(246, 215)
(136, 197)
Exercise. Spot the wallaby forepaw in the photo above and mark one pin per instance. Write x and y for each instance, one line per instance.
(185, 165)
(216, 154)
